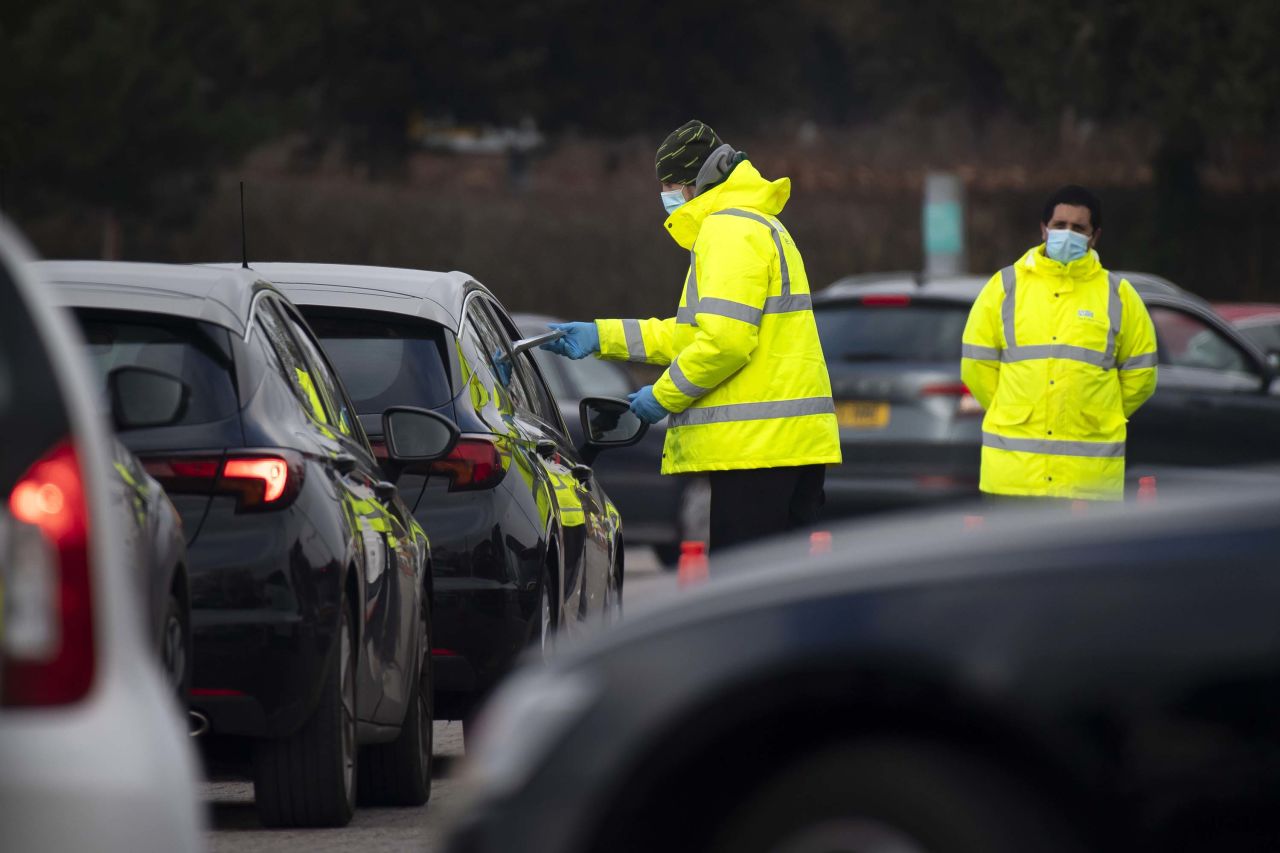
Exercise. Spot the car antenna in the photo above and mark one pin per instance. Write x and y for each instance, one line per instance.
(244, 243)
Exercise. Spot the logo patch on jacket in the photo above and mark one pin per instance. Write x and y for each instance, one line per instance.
(1086, 313)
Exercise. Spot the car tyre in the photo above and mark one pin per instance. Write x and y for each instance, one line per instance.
(895, 795)
(175, 648)
(309, 778)
(399, 773)
(545, 630)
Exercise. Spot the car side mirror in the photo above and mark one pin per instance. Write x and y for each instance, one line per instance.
(417, 435)
(142, 398)
(608, 422)
(1273, 360)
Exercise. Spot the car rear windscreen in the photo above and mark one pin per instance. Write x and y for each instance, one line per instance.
(893, 331)
(386, 363)
(197, 353)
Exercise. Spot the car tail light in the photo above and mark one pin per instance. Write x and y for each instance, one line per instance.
(474, 463)
(46, 629)
(966, 403)
(260, 480)
(886, 299)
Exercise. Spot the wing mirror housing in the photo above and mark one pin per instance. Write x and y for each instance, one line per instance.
(608, 422)
(142, 398)
(417, 435)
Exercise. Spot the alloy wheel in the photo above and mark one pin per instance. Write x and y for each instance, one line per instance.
(546, 622)
(174, 653)
(348, 681)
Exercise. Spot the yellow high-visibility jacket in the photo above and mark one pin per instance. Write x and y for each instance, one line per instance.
(747, 382)
(1060, 356)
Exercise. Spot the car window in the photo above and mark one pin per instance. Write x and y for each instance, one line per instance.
(537, 399)
(335, 396)
(595, 378)
(291, 364)
(497, 350)
(477, 371)
(1185, 340)
(386, 363)
(196, 353)
(891, 331)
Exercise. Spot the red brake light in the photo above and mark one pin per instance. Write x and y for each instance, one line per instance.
(271, 473)
(887, 299)
(966, 404)
(474, 463)
(261, 480)
(47, 638)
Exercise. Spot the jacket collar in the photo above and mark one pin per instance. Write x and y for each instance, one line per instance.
(745, 187)
(1036, 262)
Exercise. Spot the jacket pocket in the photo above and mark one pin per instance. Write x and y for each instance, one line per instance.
(1009, 415)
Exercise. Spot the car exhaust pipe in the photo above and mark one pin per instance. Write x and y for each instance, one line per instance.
(199, 724)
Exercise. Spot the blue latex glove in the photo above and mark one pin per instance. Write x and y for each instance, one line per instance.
(646, 406)
(503, 366)
(580, 340)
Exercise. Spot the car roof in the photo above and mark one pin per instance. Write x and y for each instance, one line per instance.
(221, 296)
(427, 295)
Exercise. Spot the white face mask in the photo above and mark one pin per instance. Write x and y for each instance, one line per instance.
(671, 199)
(1065, 246)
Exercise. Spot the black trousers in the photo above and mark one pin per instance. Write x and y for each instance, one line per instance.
(757, 502)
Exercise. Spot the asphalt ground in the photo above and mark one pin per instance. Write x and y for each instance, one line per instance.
(233, 821)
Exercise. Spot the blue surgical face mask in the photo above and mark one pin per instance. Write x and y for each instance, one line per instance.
(671, 199)
(1065, 246)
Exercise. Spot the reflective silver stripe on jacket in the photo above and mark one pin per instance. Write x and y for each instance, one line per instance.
(635, 340)
(1115, 309)
(1067, 351)
(1009, 276)
(1136, 362)
(1104, 359)
(777, 242)
(732, 412)
(682, 382)
(747, 313)
(980, 353)
(1099, 449)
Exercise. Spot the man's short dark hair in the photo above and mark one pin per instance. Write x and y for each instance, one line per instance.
(1077, 196)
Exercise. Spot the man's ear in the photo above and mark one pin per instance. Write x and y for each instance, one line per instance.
(1097, 235)
(688, 191)
(1044, 232)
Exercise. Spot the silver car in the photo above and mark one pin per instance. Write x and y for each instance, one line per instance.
(93, 744)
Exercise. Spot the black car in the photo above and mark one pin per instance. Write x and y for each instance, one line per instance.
(525, 541)
(1050, 684)
(309, 581)
(911, 433)
(661, 511)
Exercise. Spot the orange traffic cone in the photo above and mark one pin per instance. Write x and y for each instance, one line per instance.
(819, 542)
(693, 568)
(1147, 490)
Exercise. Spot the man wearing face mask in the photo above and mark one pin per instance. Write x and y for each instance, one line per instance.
(746, 386)
(1061, 353)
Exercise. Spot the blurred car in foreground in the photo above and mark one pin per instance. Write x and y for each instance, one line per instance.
(660, 511)
(525, 541)
(309, 583)
(1037, 682)
(94, 751)
(1259, 322)
(911, 433)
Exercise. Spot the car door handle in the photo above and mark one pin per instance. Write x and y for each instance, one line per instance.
(545, 447)
(344, 463)
(385, 491)
(582, 473)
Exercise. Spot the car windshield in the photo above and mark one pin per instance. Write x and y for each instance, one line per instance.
(386, 363)
(196, 353)
(907, 332)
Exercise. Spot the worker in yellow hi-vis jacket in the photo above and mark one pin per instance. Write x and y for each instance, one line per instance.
(746, 387)
(1061, 353)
